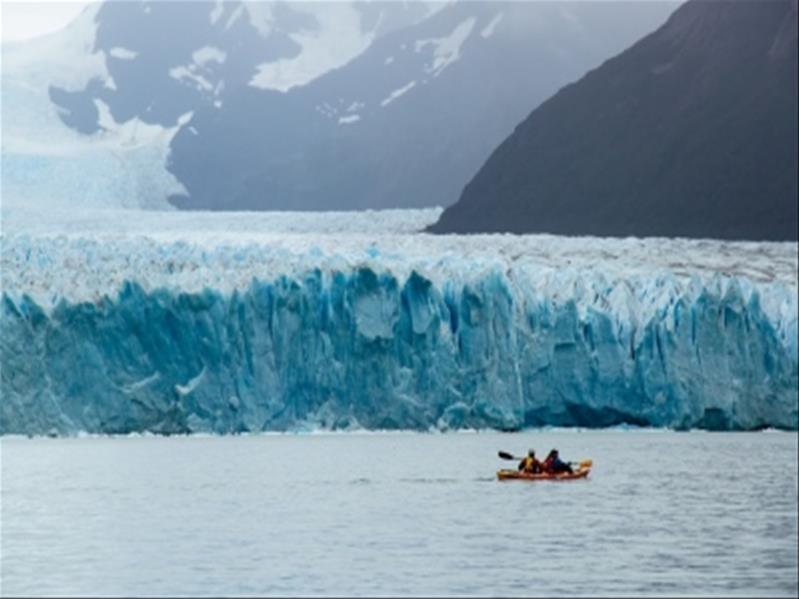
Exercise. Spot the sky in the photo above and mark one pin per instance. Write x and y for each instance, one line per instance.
(26, 19)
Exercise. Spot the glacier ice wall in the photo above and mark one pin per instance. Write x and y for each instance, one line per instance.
(366, 343)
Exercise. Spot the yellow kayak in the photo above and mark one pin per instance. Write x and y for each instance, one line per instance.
(505, 474)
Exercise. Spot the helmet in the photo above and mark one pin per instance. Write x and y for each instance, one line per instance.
(531, 453)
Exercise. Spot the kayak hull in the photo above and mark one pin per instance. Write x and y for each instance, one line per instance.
(517, 475)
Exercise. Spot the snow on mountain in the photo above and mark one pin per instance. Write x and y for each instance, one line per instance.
(397, 93)
(446, 50)
(65, 58)
(252, 97)
(488, 30)
(433, 98)
(343, 31)
(337, 39)
(50, 164)
(89, 112)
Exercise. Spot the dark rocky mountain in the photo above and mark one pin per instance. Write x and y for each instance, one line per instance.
(690, 132)
(404, 121)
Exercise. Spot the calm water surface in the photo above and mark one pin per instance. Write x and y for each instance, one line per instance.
(399, 514)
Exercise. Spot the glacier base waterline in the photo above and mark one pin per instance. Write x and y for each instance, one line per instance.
(364, 348)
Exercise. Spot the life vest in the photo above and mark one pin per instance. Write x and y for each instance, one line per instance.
(530, 464)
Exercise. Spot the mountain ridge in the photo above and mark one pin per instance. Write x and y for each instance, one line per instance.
(717, 75)
(401, 123)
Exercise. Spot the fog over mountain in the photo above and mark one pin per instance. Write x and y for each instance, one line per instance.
(328, 105)
(691, 132)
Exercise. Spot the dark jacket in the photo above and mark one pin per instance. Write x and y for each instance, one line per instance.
(555, 465)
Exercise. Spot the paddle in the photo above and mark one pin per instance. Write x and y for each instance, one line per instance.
(583, 463)
(506, 456)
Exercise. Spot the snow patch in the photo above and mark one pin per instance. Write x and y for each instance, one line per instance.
(208, 54)
(446, 50)
(104, 118)
(488, 30)
(217, 11)
(190, 74)
(122, 53)
(327, 110)
(187, 75)
(234, 17)
(261, 16)
(397, 93)
(133, 133)
(338, 40)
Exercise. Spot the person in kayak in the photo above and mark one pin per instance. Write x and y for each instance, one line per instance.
(530, 463)
(554, 465)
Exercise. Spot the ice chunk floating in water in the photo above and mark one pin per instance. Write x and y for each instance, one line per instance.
(281, 331)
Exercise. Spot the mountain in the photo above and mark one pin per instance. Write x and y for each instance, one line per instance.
(46, 164)
(336, 105)
(165, 59)
(89, 112)
(691, 132)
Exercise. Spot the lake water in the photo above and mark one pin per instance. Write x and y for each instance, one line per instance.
(662, 513)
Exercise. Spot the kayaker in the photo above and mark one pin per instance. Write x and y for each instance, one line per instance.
(530, 463)
(554, 465)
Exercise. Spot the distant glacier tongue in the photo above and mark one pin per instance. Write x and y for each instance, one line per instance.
(134, 334)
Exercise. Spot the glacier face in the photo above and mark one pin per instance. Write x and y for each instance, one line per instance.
(221, 331)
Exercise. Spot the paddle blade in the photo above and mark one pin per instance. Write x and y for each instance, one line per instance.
(586, 463)
(505, 455)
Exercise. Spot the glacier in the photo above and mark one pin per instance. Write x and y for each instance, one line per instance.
(181, 323)
(42, 158)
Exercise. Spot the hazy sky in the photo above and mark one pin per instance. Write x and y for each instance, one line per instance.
(25, 19)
